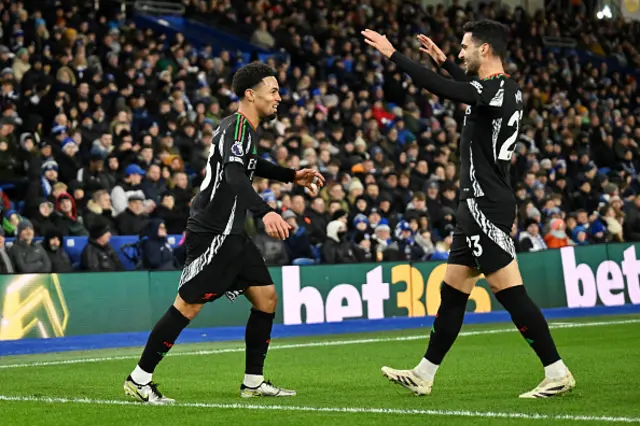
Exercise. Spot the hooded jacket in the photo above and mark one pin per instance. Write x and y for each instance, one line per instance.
(157, 253)
(69, 224)
(60, 261)
(337, 249)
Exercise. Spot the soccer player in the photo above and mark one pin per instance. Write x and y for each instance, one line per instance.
(221, 259)
(481, 242)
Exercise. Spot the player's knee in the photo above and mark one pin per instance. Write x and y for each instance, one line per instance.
(189, 310)
(271, 302)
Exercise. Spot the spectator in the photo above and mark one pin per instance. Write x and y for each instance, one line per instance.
(157, 253)
(298, 244)
(10, 223)
(132, 185)
(337, 248)
(94, 177)
(154, 184)
(362, 248)
(27, 257)
(67, 220)
(133, 220)
(580, 235)
(612, 224)
(6, 265)
(98, 255)
(42, 187)
(182, 193)
(99, 212)
(557, 236)
(632, 220)
(59, 259)
(530, 240)
(406, 246)
(273, 251)
(424, 239)
(170, 215)
(45, 219)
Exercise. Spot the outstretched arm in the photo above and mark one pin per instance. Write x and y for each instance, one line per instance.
(455, 71)
(422, 77)
(434, 83)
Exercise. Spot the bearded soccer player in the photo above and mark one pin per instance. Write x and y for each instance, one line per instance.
(221, 259)
(487, 208)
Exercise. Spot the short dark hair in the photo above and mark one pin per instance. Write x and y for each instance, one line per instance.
(250, 76)
(491, 32)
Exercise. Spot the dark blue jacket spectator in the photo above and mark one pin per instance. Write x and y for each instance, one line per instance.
(157, 253)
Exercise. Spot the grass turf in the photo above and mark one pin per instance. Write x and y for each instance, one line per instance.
(483, 373)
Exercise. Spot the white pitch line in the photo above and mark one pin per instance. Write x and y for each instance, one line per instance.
(312, 344)
(345, 410)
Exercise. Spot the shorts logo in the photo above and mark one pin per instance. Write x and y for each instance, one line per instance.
(237, 149)
(208, 296)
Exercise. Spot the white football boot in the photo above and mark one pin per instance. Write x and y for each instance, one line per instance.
(148, 394)
(409, 379)
(265, 389)
(552, 387)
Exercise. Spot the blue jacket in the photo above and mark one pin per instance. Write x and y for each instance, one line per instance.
(157, 253)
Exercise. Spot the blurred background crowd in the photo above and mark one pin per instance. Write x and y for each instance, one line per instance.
(106, 126)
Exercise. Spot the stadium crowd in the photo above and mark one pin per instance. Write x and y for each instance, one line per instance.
(105, 130)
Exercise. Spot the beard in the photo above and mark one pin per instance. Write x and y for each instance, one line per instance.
(472, 66)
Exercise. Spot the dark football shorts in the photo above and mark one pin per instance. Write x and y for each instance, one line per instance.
(219, 266)
(481, 239)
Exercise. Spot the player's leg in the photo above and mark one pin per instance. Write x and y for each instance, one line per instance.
(261, 292)
(496, 258)
(459, 280)
(203, 280)
(506, 284)
(139, 384)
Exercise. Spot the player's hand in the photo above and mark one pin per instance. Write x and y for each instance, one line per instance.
(430, 48)
(310, 179)
(379, 42)
(276, 226)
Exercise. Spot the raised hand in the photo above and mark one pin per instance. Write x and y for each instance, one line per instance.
(430, 48)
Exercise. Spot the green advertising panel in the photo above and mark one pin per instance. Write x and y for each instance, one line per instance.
(92, 303)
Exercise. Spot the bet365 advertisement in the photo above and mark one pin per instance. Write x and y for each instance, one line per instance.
(53, 305)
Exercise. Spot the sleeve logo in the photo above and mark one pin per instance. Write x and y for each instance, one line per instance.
(237, 149)
(478, 86)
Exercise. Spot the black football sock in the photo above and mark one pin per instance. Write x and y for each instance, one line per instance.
(447, 323)
(530, 321)
(257, 338)
(162, 338)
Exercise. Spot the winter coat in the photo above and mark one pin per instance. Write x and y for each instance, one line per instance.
(59, 258)
(157, 253)
(99, 258)
(29, 259)
(131, 224)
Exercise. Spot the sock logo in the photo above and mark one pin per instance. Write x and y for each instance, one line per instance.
(168, 345)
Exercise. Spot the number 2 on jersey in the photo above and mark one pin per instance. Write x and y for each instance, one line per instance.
(506, 150)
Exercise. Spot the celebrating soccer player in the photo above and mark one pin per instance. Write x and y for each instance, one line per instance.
(481, 242)
(221, 259)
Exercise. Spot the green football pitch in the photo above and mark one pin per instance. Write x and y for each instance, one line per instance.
(339, 382)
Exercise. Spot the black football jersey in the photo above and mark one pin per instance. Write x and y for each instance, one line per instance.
(217, 209)
(488, 139)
